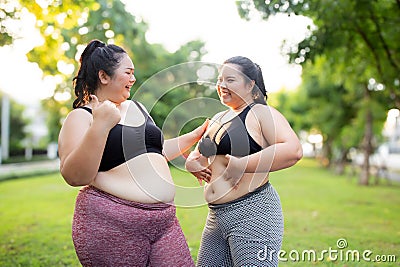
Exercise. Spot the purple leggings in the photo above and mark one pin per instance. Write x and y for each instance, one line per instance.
(109, 231)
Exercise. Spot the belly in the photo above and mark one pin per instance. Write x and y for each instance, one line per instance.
(145, 179)
(220, 191)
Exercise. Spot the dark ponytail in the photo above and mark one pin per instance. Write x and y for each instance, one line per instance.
(252, 71)
(96, 56)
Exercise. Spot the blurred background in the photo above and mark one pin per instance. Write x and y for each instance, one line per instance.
(331, 67)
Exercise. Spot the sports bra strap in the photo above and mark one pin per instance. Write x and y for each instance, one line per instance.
(137, 104)
(87, 109)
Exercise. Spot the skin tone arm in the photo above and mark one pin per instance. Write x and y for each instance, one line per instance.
(285, 149)
(82, 141)
(177, 146)
(198, 165)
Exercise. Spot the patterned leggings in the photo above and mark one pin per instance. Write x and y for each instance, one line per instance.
(245, 232)
(109, 231)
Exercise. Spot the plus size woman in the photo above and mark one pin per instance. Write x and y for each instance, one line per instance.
(241, 146)
(124, 213)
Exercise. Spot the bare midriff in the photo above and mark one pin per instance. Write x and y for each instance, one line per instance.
(219, 190)
(145, 179)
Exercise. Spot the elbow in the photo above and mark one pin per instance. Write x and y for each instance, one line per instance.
(287, 158)
(294, 156)
(72, 179)
(73, 183)
(297, 154)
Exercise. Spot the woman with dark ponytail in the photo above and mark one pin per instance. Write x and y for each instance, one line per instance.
(235, 156)
(124, 213)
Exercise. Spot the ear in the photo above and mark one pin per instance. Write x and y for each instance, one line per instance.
(251, 84)
(103, 77)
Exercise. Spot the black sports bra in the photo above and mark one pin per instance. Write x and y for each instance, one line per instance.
(126, 142)
(234, 140)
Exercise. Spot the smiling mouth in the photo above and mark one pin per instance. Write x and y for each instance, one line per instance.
(224, 92)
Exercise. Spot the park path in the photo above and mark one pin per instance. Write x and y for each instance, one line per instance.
(13, 170)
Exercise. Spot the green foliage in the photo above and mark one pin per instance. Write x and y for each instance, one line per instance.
(362, 35)
(9, 12)
(351, 62)
(324, 103)
(67, 26)
(289, 104)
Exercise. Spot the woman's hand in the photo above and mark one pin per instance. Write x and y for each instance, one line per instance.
(199, 131)
(105, 113)
(203, 175)
(194, 166)
(234, 170)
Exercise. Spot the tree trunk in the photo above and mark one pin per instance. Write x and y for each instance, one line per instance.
(326, 156)
(340, 164)
(367, 141)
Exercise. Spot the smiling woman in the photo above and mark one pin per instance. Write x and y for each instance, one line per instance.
(250, 140)
(111, 146)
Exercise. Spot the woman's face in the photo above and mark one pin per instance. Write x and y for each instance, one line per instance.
(119, 85)
(232, 88)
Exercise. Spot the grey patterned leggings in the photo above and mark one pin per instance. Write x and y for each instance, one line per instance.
(245, 232)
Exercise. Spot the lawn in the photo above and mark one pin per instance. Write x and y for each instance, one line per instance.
(320, 209)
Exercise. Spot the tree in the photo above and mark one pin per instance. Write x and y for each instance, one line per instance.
(361, 40)
(329, 107)
(364, 28)
(68, 25)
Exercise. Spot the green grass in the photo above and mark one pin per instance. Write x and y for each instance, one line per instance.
(319, 208)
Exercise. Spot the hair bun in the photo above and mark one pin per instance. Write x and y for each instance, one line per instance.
(90, 48)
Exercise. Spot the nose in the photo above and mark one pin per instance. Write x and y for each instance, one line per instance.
(221, 84)
(132, 78)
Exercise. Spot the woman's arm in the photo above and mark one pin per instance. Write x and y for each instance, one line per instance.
(82, 140)
(177, 146)
(198, 165)
(284, 150)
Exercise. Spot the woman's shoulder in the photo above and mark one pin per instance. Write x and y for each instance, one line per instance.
(86, 108)
(132, 103)
(77, 118)
(266, 113)
(139, 104)
(262, 109)
(83, 113)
